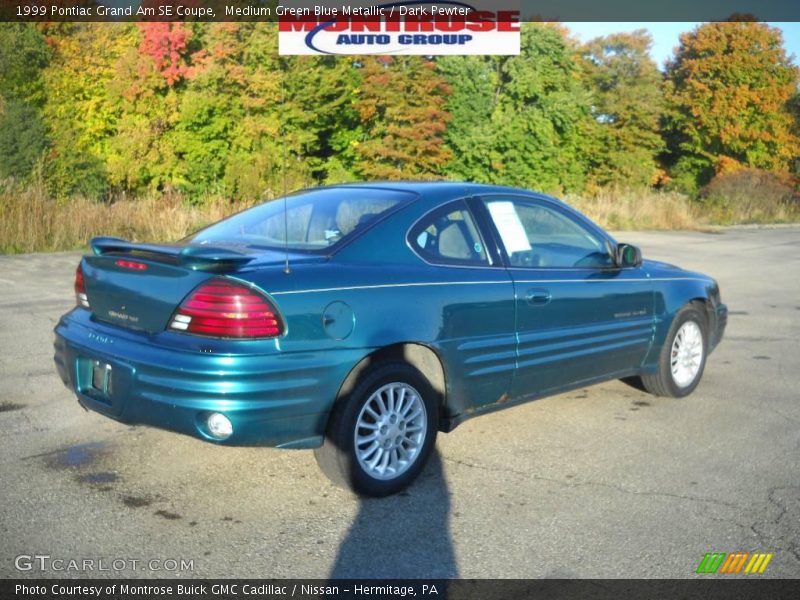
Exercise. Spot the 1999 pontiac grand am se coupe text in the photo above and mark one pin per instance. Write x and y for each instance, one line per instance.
(361, 319)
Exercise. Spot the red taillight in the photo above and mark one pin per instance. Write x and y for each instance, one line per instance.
(80, 289)
(224, 308)
(131, 264)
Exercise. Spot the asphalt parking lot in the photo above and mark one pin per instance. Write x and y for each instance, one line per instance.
(601, 482)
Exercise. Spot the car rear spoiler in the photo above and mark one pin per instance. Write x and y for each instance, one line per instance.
(195, 257)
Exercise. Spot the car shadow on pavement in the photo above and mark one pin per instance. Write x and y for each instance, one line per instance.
(403, 536)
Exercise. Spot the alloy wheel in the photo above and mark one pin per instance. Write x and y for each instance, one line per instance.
(390, 431)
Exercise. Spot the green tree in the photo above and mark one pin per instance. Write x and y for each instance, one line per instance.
(543, 116)
(210, 109)
(321, 124)
(627, 107)
(525, 118)
(730, 85)
(23, 137)
(254, 165)
(475, 85)
(23, 54)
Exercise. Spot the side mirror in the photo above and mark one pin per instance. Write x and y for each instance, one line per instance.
(628, 255)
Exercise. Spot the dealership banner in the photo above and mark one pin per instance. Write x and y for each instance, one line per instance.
(400, 28)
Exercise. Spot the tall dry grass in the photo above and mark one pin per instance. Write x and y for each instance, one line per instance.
(751, 196)
(639, 209)
(30, 221)
(650, 209)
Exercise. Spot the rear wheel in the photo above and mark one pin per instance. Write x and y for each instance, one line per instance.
(683, 357)
(379, 438)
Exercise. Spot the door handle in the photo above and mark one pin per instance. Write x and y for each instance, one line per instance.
(537, 297)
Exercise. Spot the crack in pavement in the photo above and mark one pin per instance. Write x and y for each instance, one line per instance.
(787, 417)
(784, 537)
(586, 482)
(778, 540)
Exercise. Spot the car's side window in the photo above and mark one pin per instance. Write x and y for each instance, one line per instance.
(449, 236)
(538, 236)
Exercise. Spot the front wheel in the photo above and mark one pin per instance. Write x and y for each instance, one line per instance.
(683, 356)
(379, 438)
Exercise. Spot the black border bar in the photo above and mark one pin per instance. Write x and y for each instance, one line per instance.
(715, 588)
(529, 10)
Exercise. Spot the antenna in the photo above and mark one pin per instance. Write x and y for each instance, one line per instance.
(286, 268)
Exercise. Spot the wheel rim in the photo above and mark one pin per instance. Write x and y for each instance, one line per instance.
(687, 354)
(390, 431)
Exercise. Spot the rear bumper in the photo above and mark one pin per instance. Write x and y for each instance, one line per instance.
(272, 398)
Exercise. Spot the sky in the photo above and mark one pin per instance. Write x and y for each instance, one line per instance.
(665, 35)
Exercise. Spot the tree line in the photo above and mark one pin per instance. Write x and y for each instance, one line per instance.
(211, 110)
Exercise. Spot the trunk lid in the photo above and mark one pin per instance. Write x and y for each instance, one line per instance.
(139, 286)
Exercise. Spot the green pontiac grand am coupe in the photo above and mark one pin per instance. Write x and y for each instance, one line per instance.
(360, 320)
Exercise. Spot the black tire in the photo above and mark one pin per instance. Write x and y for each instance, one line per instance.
(338, 458)
(663, 382)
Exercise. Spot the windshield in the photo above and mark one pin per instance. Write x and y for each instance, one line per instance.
(314, 221)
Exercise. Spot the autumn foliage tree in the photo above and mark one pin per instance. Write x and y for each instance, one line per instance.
(401, 107)
(141, 154)
(80, 110)
(167, 45)
(730, 85)
(200, 110)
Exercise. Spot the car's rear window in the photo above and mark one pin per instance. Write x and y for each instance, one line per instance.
(311, 221)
